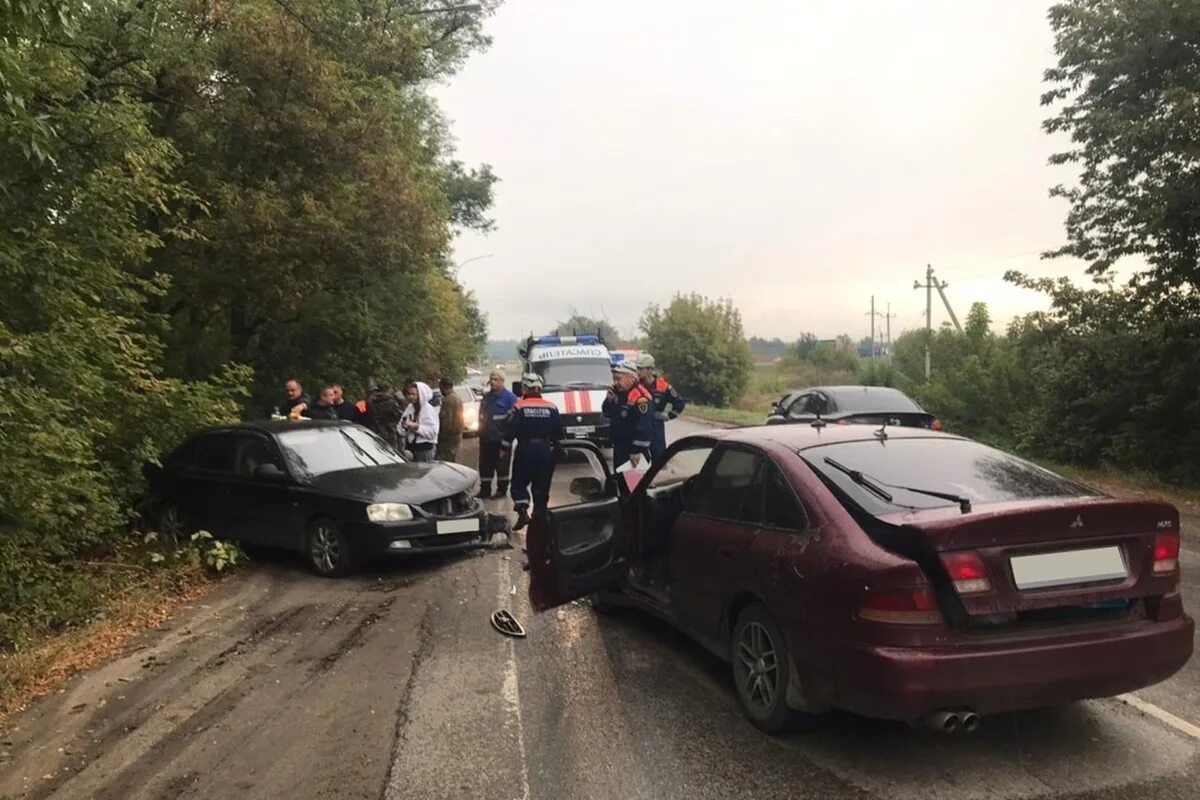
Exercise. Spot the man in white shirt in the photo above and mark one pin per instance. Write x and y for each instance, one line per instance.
(419, 423)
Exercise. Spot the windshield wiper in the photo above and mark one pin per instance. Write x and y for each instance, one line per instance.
(964, 503)
(862, 480)
(359, 448)
(876, 488)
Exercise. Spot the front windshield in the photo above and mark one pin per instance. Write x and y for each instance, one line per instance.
(961, 467)
(596, 372)
(316, 451)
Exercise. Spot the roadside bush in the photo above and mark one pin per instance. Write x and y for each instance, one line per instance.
(701, 346)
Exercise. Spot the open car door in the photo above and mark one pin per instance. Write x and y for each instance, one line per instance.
(578, 546)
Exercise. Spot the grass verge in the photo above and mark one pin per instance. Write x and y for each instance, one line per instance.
(726, 416)
(132, 599)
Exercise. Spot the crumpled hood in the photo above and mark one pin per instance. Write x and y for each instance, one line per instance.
(411, 482)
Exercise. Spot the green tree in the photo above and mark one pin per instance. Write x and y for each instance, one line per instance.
(701, 346)
(1127, 84)
(582, 323)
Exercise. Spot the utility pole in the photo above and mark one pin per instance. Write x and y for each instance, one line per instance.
(888, 320)
(929, 285)
(873, 313)
(872, 327)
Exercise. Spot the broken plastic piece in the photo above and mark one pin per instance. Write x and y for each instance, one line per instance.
(507, 624)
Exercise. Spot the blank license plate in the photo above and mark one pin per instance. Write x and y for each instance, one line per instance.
(579, 430)
(1068, 567)
(457, 525)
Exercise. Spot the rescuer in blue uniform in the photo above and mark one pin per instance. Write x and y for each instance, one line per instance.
(535, 426)
(629, 410)
(494, 408)
(667, 404)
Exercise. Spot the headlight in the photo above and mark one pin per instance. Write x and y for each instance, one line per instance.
(389, 512)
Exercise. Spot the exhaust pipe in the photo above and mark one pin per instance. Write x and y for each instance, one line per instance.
(970, 721)
(944, 721)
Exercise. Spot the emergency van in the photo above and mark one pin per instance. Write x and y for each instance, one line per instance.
(577, 371)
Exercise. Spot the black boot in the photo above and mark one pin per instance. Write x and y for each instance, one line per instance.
(522, 519)
(502, 489)
(485, 492)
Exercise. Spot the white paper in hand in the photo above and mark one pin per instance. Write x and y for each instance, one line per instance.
(642, 466)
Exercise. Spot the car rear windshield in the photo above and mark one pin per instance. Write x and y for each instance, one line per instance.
(959, 467)
(874, 400)
(315, 451)
(562, 372)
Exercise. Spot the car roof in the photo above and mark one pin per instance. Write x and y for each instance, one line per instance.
(803, 437)
(278, 425)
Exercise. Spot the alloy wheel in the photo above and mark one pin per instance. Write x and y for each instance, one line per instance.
(326, 548)
(757, 668)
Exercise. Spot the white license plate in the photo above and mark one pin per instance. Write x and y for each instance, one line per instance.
(1068, 567)
(579, 430)
(457, 525)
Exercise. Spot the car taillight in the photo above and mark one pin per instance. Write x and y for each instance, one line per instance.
(1166, 553)
(843, 422)
(908, 607)
(967, 572)
(936, 424)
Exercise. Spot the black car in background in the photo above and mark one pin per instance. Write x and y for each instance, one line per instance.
(852, 405)
(333, 491)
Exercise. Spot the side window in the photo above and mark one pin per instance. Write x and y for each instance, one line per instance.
(588, 477)
(800, 405)
(215, 452)
(184, 455)
(682, 465)
(728, 490)
(781, 508)
(254, 450)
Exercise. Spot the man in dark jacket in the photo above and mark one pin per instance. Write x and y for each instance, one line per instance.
(325, 408)
(493, 411)
(297, 401)
(383, 415)
(345, 410)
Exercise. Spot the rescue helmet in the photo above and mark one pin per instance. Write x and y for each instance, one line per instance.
(531, 380)
(645, 361)
(625, 368)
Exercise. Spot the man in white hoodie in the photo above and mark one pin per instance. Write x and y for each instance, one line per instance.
(419, 423)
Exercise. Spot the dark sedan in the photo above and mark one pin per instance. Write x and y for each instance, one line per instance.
(333, 491)
(851, 405)
(902, 574)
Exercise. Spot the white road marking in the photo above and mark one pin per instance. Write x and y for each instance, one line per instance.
(1163, 716)
(511, 689)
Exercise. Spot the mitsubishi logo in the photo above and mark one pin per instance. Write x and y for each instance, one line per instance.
(1078, 523)
(579, 418)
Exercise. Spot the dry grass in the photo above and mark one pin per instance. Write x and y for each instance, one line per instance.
(135, 599)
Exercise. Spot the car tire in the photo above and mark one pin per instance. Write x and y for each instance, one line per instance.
(761, 669)
(327, 549)
(171, 525)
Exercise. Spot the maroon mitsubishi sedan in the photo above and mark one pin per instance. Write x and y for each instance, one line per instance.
(898, 573)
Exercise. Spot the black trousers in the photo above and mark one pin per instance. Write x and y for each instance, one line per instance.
(533, 465)
(491, 463)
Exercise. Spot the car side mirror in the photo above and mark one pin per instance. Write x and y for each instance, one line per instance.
(587, 488)
(516, 388)
(268, 472)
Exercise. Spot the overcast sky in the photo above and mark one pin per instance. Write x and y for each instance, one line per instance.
(796, 156)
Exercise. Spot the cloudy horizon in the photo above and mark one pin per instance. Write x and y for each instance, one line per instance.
(797, 158)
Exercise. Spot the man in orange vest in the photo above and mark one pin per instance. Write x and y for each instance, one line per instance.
(667, 404)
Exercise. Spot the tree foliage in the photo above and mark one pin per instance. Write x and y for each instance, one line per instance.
(701, 346)
(1127, 88)
(582, 323)
(201, 198)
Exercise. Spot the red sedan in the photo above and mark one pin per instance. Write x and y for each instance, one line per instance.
(897, 573)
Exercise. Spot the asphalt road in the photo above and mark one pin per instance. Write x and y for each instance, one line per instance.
(392, 684)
